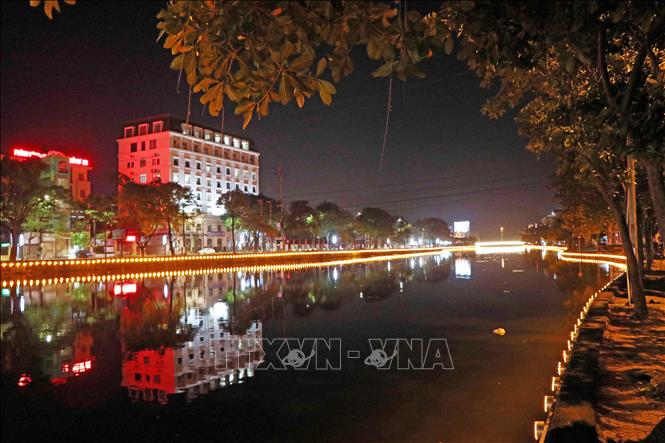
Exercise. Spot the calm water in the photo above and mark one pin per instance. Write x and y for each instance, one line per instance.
(140, 360)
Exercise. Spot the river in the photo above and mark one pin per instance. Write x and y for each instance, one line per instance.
(202, 357)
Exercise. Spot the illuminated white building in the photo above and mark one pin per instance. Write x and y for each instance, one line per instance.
(197, 157)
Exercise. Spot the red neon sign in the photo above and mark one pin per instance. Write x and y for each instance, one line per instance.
(25, 153)
(78, 161)
(18, 152)
(77, 368)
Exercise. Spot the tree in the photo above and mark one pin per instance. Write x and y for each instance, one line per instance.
(376, 224)
(257, 53)
(333, 220)
(49, 215)
(432, 229)
(23, 191)
(236, 204)
(175, 206)
(139, 209)
(99, 213)
(301, 221)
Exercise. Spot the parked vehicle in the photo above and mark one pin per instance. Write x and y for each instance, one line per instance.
(84, 253)
(206, 251)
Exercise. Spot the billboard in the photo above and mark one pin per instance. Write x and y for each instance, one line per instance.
(461, 228)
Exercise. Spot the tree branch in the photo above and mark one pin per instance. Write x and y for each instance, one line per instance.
(602, 67)
(634, 76)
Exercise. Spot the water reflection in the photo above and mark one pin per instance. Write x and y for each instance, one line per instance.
(172, 340)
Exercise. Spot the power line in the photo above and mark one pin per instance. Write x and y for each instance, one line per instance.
(428, 180)
(408, 200)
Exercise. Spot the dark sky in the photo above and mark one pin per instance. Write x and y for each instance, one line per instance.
(68, 84)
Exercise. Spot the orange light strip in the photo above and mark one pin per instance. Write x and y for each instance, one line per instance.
(258, 268)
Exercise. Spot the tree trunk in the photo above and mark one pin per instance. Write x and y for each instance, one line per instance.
(170, 236)
(640, 247)
(657, 191)
(648, 243)
(636, 284)
(233, 234)
(16, 232)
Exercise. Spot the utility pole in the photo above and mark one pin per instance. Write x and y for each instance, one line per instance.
(631, 214)
(280, 176)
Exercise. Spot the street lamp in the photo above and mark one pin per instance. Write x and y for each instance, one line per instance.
(501, 233)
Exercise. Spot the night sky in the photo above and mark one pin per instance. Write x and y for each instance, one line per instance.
(68, 84)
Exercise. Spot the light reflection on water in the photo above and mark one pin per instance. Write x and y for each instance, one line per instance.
(179, 341)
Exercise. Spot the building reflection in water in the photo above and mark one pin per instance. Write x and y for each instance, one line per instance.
(463, 268)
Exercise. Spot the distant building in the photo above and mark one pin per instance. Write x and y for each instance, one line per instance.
(68, 172)
(65, 171)
(198, 157)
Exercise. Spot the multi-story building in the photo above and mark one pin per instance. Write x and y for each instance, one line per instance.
(70, 173)
(198, 157)
(67, 172)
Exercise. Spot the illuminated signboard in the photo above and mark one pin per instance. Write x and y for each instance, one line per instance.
(130, 238)
(25, 153)
(18, 152)
(77, 368)
(78, 161)
(461, 228)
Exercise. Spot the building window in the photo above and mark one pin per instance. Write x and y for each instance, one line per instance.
(187, 179)
(186, 129)
(155, 161)
(157, 126)
(227, 140)
(157, 379)
(236, 143)
(142, 164)
(245, 145)
(253, 189)
(198, 180)
(219, 169)
(176, 176)
(143, 129)
(153, 144)
(228, 185)
(187, 164)
(137, 377)
(209, 198)
(130, 164)
(176, 162)
(237, 187)
(218, 138)
(198, 196)
(132, 147)
(228, 171)
(207, 135)
(209, 182)
(142, 146)
(129, 131)
(143, 178)
(219, 184)
(245, 188)
(198, 165)
(197, 133)
(208, 167)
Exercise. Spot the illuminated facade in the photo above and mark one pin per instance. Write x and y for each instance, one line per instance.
(213, 359)
(200, 158)
(67, 172)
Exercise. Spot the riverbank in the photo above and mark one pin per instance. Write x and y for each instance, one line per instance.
(612, 386)
(46, 271)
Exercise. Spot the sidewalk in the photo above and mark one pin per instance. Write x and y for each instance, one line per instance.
(613, 389)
